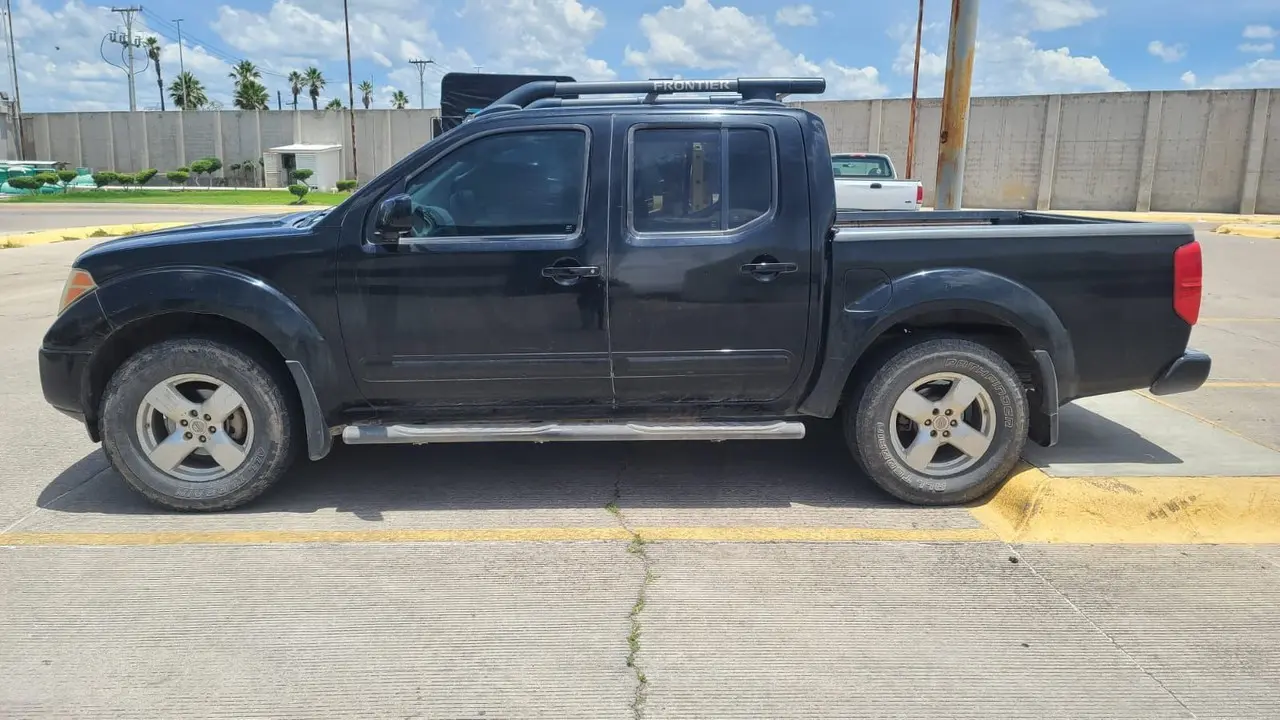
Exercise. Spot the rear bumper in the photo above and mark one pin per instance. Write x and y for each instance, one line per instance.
(1183, 375)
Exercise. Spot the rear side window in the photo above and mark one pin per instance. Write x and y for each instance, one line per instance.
(700, 180)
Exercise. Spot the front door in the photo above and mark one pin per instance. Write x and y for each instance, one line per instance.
(712, 264)
(497, 297)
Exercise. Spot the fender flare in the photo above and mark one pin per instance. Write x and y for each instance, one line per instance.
(856, 323)
(245, 300)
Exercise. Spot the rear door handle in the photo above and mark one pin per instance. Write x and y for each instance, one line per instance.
(766, 271)
(876, 186)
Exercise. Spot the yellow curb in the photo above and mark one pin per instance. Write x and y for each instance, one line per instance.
(1261, 232)
(42, 237)
(1032, 507)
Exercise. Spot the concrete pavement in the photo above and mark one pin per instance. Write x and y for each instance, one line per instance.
(734, 580)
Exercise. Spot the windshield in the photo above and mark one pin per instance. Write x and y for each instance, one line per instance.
(861, 166)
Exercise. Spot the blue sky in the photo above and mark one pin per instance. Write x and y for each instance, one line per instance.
(862, 48)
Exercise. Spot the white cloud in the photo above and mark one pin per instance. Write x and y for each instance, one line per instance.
(540, 36)
(1256, 48)
(1263, 72)
(1167, 53)
(796, 15)
(1260, 32)
(1009, 65)
(1059, 14)
(726, 42)
(1189, 79)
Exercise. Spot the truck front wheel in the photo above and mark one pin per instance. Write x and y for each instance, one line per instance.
(943, 421)
(197, 424)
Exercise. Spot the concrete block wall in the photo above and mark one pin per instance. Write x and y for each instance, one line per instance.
(1196, 151)
(1185, 151)
(125, 142)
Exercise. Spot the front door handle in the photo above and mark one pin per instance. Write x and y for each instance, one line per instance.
(766, 271)
(876, 186)
(570, 274)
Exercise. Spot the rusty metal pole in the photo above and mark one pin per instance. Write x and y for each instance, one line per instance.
(351, 96)
(955, 104)
(915, 97)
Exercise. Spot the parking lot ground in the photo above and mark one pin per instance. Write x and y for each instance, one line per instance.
(659, 580)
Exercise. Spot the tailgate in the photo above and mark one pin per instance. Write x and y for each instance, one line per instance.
(870, 194)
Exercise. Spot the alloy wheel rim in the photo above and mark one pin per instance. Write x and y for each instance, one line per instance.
(194, 427)
(942, 424)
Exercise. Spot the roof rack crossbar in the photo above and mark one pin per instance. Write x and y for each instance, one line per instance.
(635, 100)
(746, 88)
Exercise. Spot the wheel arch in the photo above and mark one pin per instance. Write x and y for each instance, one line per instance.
(171, 302)
(1003, 314)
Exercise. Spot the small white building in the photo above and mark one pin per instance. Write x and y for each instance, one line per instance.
(324, 161)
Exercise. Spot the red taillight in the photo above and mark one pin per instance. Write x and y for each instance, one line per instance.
(1188, 280)
(919, 194)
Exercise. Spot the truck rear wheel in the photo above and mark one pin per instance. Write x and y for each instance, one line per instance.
(196, 424)
(943, 421)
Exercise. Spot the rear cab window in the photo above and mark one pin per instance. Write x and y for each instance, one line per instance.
(701, 180)
(861, 166)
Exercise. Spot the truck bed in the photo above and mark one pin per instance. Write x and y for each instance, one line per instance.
(1108, 281)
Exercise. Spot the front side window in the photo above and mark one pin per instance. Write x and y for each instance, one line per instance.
(686, 180)
(516, 183)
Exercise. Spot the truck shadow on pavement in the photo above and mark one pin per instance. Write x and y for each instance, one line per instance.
(368, 481)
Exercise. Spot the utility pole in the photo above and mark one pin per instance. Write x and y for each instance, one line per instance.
(13, 68)
(915, 97)
(422, 92)
(279, 101)
(182, 67)
(351, 96)
(955, 104)
(129, 45)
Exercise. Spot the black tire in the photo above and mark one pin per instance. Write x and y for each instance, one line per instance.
(268, 454)
(869, 420)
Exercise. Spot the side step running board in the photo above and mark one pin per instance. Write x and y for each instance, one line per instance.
(569, 432)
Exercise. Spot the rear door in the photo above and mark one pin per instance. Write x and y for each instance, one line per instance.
(710, 260)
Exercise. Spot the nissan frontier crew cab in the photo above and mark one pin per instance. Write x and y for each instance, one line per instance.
(570, 267)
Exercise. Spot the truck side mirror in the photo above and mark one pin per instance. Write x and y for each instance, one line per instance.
(394, 218)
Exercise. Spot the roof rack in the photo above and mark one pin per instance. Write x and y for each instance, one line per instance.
(744, 90)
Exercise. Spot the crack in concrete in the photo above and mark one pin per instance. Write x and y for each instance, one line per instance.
(638, 547)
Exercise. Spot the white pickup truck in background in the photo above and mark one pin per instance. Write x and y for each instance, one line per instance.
(868, 181)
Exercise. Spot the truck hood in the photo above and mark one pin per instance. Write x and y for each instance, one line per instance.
(232, 226)
(212, 242)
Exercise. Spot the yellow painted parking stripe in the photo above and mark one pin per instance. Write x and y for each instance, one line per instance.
(1241, 384)
(539, 534)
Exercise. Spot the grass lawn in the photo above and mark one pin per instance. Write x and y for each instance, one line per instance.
(194, 196)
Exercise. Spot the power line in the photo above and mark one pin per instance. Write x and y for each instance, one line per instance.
(210, 48)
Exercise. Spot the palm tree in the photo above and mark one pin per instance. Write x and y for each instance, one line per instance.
(244, 71)
(251, 95)
(153, 51)
(399, 100)
(366, 93)
(334, 104)
(314, 81)
(187, 92)
(296, 83)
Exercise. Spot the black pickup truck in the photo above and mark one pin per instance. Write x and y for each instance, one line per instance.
(570, 267)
